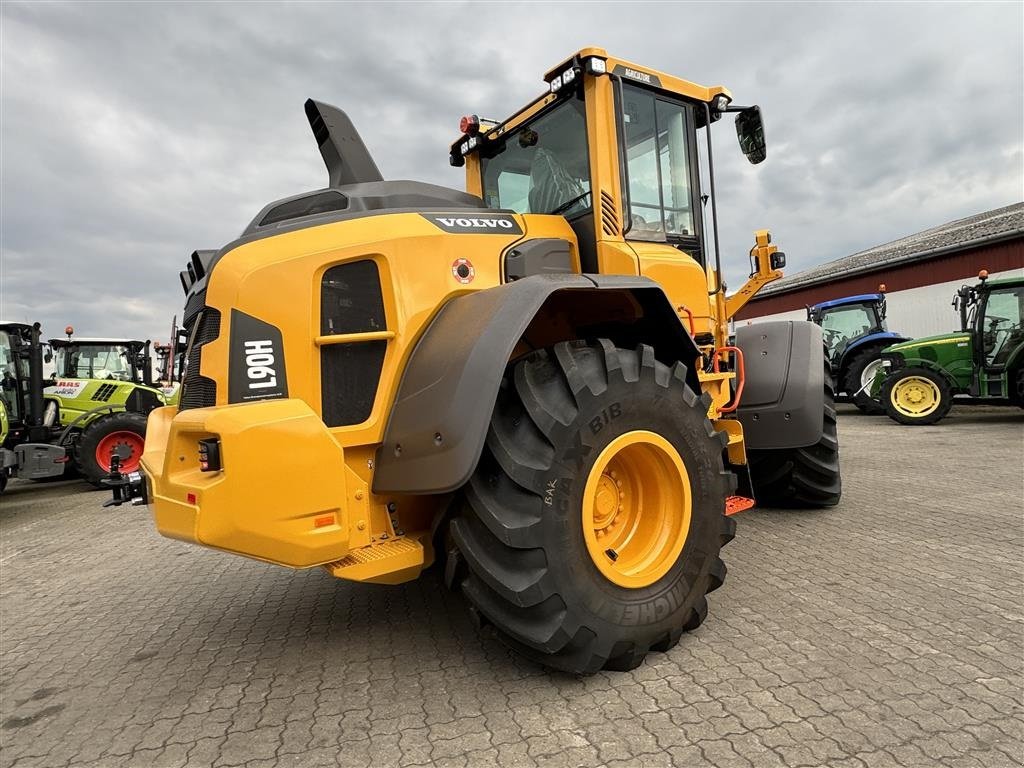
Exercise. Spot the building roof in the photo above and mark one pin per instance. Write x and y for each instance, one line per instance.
(980, 229)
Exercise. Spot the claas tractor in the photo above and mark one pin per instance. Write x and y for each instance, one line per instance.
(984, 360)
(528, 383)
(26, 447)
(98, 398)
(855, 334)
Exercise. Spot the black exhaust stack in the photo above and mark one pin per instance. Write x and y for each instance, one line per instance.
(35, 383)
(347, 159)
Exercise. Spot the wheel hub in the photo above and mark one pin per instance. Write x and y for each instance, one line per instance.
(636, 509)
(606, 504)
(915, 396)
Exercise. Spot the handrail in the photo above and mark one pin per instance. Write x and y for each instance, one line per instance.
(741, 376)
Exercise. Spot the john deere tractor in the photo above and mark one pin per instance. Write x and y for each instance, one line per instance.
(98, 398)
(528, 382)
(985, 360)
(855, 335)
(26, 443)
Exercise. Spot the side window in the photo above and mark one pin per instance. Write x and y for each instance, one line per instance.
(845, 324)
(657, 137)
(541, 167)
(1003, 330)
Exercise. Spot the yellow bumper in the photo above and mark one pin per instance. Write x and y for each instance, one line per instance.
(281, 494)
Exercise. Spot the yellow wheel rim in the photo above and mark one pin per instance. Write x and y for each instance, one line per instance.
(636, 509)
(915, 396)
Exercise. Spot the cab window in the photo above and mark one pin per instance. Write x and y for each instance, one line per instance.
(94, 362)
(542, 166)
(846, 323)
(659, 144)
(1003, 330)
(9, 378)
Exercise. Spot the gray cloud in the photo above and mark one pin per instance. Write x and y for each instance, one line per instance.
(132, 134)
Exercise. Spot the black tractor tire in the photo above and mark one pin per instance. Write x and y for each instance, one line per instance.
(852, 384)
(104, 431)
(945, 396)
(801, 478)
(517, 546)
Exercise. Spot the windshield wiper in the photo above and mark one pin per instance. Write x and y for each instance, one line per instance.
(569, 204)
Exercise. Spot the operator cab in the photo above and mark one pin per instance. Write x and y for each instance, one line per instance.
(636, 180)
(844, 320)
(103, 359)
(14, 339)
(993, 313)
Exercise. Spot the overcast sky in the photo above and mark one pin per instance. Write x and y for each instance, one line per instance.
(133, 134)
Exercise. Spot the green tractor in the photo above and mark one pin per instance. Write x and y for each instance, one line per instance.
(919, 379)
(26, 445)
(98, 399)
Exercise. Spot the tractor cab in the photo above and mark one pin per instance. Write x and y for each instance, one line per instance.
(993, 314)
(849, 319)
(102, 359)
(15, 341)
(24, 436)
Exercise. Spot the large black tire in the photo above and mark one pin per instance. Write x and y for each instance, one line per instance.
(517, 544)
(903, 377)
(852, 383)
(90, 464)
(801, 477)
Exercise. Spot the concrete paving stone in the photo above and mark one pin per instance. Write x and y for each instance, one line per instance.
(884, 632)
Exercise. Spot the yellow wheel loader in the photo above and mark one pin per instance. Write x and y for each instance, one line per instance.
(529, 383)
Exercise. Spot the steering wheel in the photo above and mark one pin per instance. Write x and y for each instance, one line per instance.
(832, 336)
(994, 320)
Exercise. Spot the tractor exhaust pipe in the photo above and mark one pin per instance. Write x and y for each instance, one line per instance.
(35, 378)
(347, 159)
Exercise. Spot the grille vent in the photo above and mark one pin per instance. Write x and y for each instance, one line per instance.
(105, 392)
(350, 302)
(610, 223)
(199, 391)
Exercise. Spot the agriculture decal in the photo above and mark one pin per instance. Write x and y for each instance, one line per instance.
(70, 388)
(463, 271)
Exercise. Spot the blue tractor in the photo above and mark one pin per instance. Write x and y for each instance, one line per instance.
(855, 334)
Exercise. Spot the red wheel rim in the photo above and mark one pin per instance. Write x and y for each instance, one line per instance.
(128, 445)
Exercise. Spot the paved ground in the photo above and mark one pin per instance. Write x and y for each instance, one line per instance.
(888, 631)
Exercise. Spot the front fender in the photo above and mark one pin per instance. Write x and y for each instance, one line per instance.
(443, 407)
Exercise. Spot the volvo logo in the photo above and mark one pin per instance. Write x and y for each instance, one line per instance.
(500, 224)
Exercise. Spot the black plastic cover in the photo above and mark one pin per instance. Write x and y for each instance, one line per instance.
(784, 395)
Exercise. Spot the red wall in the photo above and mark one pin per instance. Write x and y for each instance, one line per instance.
(965, 264)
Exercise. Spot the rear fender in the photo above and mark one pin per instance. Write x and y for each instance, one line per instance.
(784, 395)
(444, 403)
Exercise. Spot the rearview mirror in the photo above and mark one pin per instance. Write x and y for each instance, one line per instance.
(750, 132)
(47, 353)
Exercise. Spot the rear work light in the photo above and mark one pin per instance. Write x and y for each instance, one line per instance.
(209, 455)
